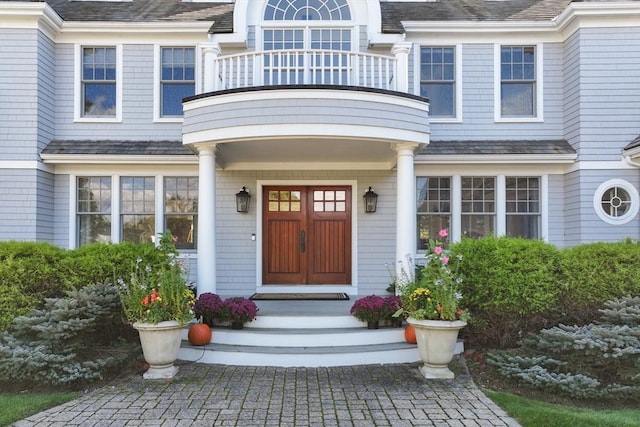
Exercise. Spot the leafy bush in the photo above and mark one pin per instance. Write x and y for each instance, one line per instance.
(511, 286)
(71, 340)
(29, 272)
(592, 361)
(595, 273)
(99, 262)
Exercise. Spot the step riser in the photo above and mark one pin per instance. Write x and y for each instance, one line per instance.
(299, 360)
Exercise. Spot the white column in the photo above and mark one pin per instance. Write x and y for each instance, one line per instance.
(401, 52)
(210, 52)
(405, 208)
(206, 280)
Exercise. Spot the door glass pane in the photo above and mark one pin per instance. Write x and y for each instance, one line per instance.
(273, 206)
(318, 195)
(284, 195)
(341, 195)
(341, 206)
(295, 206)
(295, 195)
(318, 207)
(273, 195)
(330, 207)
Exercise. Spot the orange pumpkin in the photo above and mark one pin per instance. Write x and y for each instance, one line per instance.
(410, 334)
(199, 334)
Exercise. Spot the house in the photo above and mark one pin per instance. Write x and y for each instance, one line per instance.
(120, 119)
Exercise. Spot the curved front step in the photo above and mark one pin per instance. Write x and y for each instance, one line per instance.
(309, 357)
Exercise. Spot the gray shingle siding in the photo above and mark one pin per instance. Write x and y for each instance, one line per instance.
(19, 84)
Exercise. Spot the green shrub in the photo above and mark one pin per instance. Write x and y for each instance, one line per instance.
(599, 272)
(29, 272)
(593, 361)
(100, 262)
(70, 340)
(511, 287)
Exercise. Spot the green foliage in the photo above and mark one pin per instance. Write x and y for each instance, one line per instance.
(70, 340)
(29, 272)
(599, 272)
(157, 291)
(591, 361)
(511, 286)
(99, 262)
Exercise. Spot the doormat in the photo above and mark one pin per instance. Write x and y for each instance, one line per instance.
(338, 296)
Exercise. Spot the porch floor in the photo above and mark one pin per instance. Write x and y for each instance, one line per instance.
(305, 308)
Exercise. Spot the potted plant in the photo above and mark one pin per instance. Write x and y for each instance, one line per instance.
(158, 301)
(208, 307)
(238, 311)
(432, 306)
(370, 309)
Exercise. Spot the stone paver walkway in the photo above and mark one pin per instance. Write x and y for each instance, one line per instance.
(215, 395)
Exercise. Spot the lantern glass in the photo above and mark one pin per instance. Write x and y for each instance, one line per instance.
(370, 201)
(242, 200)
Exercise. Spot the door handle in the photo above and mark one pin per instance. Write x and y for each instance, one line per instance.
(303, 241)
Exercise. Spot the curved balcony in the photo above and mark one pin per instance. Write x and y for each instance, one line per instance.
(297, 67)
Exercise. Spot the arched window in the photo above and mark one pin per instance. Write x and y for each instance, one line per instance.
(307, 10)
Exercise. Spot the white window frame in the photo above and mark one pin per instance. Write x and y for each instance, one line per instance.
(77, 85)
(457, 87)
(500, 214)
(116, 214)
(497, 85)
(157, 64)
(633, 194)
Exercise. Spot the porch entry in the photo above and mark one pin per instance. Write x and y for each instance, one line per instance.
(306, 235)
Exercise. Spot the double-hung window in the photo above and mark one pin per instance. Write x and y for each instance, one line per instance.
(181, 210)
(434, 207)
(523, 207)
(137, 209)
(478, 206)
(98, 82)
(93, 209)
(177, 79)
(518, 81)
(438, 80)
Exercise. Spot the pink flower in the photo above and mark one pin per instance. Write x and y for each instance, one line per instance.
(437, 250)
(175, 239)
(445, 259)
(443, 233)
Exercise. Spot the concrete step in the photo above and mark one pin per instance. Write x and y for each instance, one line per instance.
(280, 344)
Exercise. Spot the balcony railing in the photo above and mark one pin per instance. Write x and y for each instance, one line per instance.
(317, 67)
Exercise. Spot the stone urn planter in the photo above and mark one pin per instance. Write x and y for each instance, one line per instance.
(436, 344)
(160, 346)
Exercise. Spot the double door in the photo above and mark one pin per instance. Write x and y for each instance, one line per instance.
(306, 235)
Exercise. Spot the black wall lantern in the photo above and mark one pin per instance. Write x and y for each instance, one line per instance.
(370, 201)
(242, 200)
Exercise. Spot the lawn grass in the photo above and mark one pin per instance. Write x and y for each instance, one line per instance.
(533, 413)
(14, 407)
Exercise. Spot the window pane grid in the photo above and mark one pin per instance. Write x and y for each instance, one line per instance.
(177, 78)
(93, 209)
(433, 197)
(181, 208)
(307, 10)
(437, 79)
(98, 81)
(478, 206)
(518, 80)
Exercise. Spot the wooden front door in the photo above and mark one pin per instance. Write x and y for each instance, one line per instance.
(306, 235)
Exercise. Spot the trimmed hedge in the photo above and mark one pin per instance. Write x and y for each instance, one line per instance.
(511, 287)
(31, 272)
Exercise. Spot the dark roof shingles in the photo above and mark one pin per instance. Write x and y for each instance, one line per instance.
(124, 148)
(514, 147)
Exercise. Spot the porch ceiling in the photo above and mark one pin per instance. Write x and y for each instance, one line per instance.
(305, 153)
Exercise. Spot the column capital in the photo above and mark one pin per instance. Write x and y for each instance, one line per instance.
(401, 48)
(211, 48)
(406, 148)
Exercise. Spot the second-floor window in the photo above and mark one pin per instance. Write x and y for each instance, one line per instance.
(177, 79)
(518, 81)
(438, 79)
(99, 82)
